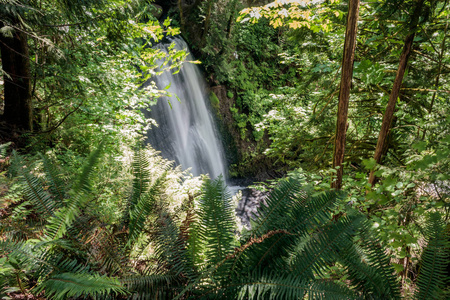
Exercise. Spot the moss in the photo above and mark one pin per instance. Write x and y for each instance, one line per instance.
(214, 100)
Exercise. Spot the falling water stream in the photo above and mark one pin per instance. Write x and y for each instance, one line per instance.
(186, 131)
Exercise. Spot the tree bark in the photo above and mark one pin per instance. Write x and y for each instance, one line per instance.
(390, 109)
(18, 112)
(344, 92)
(180, 8)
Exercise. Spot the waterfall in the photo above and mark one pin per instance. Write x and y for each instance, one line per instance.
(186, 133)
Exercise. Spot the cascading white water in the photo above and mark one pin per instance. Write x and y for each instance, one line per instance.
(186, 131)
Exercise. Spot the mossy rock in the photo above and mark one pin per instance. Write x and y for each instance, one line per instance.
(156, 10)
(214, 100)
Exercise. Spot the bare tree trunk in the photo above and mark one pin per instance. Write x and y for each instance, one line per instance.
(389, 113)
(180, 8)
(18, 113)
(344, 92)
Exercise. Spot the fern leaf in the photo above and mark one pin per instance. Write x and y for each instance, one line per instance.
(305, 215)
(273, 214)
(66, 285)
(321, 250)
(79, 197)
(432, 274)
(158, 286)
(40, 199)
(381, 280)
(216, 226)
(143, 207)
(171, 249)
(141, 173)
(278, 285)
(54, 181)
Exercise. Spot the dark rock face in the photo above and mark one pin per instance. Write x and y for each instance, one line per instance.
(248, 206)
(157, 11)
(237, 147)
(165, 4)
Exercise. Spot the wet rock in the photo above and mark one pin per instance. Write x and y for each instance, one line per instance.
(157, 11)
(247, 208)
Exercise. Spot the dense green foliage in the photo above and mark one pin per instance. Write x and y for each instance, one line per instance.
(281, 66)
(88, 60)
(83, 223)
(300, 245)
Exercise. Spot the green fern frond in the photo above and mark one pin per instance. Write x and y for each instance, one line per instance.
(432, 273)
(141, 175)
(365, 278)
(40, 199)
(323, 248)
(79, 197)
(140, 211)
(330, 290)
(216, 226)
(66, 285)
(380, 279)
(273, 214)
(279, 285)
(305, 214)
(3, 149)
(272, 286)
(99, 242)
(83, 181)
(54, 180)
(171, 249)
(158, 286)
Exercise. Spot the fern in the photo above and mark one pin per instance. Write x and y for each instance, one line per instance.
(274, 214)
(280, 285)
(171, 248)
(432, 274)
(294, 241)
(322, 250)
(41, 200)
(143, 207)
(158, 286)
(216, 226)
(66, 285)
(54, 180)
(306, 214)
(79, 197)
(368, 266)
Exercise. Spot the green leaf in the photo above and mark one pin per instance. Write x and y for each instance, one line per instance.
(369, 164)
(398, 267)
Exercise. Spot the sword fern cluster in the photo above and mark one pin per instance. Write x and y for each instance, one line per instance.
(69, 249)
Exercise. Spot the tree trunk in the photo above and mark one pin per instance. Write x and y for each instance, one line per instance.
(18, 113)
(180, 8)
(389, 113)
(344, 92)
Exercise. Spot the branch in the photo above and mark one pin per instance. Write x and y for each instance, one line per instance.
(425, 90)
(72, 24)
(432, 59)
(62, 120)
